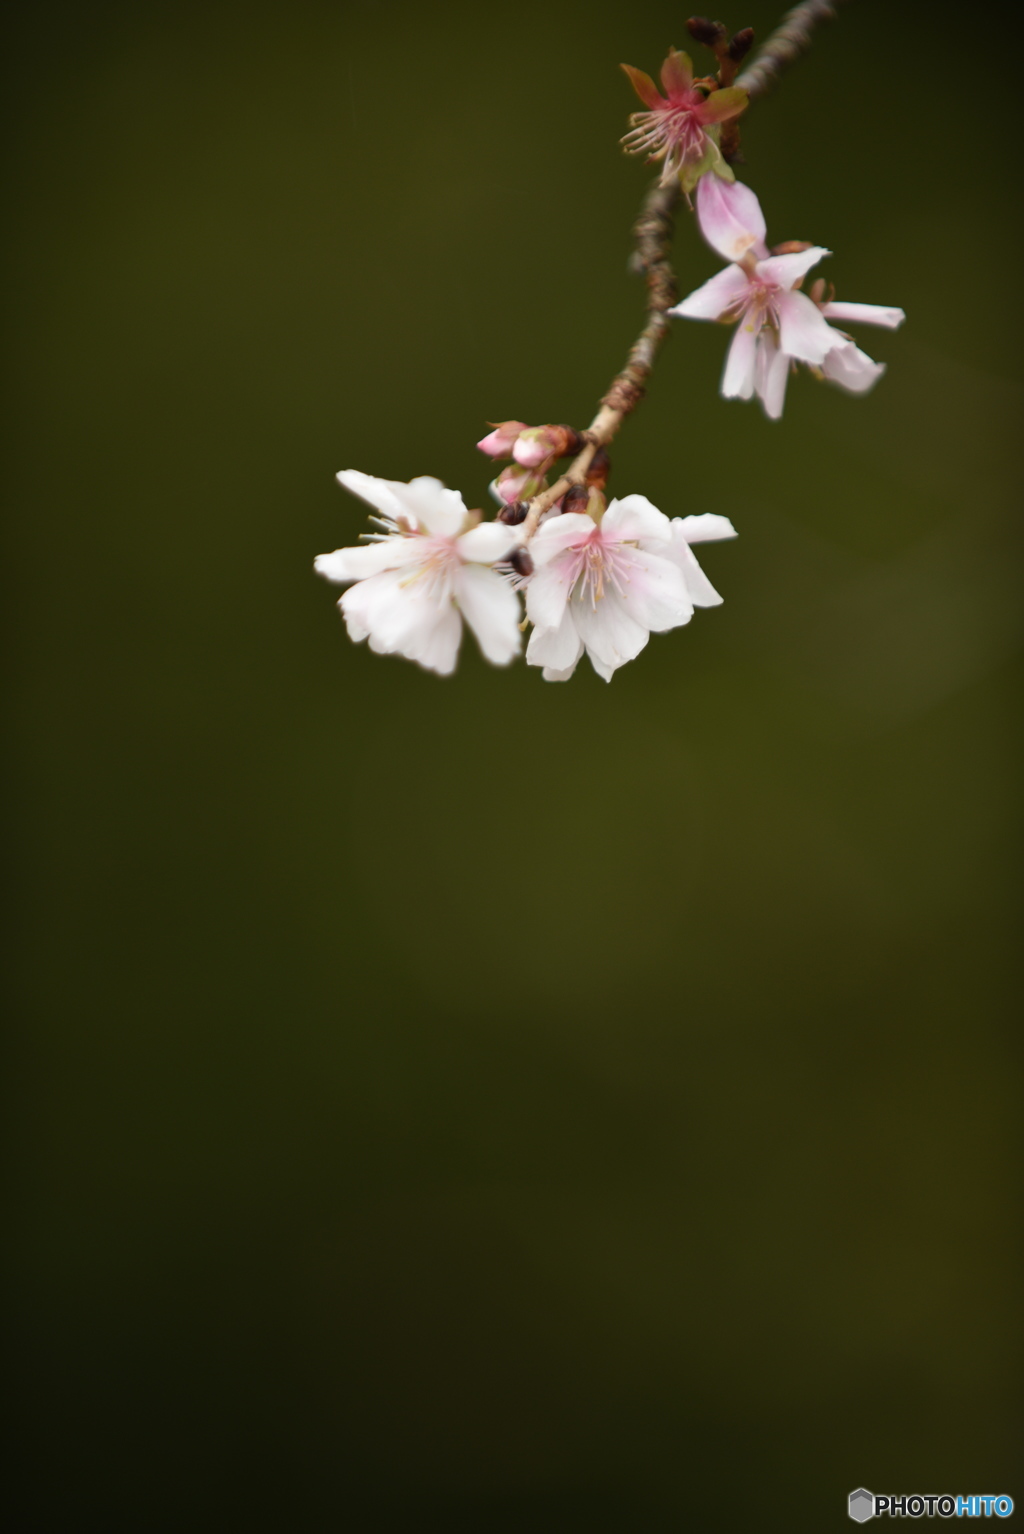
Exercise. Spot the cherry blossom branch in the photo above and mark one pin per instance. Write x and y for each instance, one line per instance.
(653, 235)
(791, 38)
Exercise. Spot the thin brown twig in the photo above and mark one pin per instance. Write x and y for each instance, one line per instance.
(652, 233)
(791, 38)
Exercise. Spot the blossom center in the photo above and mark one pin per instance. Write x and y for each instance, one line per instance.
(434, 571)
(597, 565)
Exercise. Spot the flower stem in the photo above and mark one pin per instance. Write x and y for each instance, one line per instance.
(791, 38)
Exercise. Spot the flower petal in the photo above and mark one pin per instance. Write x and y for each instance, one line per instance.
(607, 629)
(676, 74)
(702, 527)
(487, 542)
(851, 368)
(865, 314)
(491, 608)
(551, 675)
(441, 511)
(558, 648)
(357, 564)
(404, 618)
(722, 292)
(698, 588)
(730, 217)
(772, 375)
(803, 331)
(548, 591)
(380, 493)
(604, 672)
(654, 594)
(738, 378)
(723, 104)
(644, 87)
(633, 518)
(783, 271)
(559, 533)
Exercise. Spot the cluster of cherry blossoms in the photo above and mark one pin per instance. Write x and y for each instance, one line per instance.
(585, 574)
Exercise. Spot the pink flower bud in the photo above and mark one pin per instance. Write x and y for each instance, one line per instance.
(536, 446)
(498, 443)
(516, 484)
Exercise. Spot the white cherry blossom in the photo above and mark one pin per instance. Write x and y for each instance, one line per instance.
(777, 324)
(606, 587)
(429, 569)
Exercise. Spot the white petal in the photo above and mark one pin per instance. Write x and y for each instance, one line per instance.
(699, 588)
(634, 518)
(378, 492)
(557, 649)
(491, 608)
(551, 675)
(604, 672)
(404, 618)
(607, 629)
(722, 292)
(772, 375)
(441, 511)
(865, 314)
(783, 271)
(357, 564)
(559, 533)
(703, 527)
(803, 332)
(654, 594)
(851, 368)
(487, 542)
(548, 591)
(730, 217)
(738, 378)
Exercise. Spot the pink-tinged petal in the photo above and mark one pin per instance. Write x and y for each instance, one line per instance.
(607, 629)
(634, 518)
(441, 511)
(644, 87)
(730, 217)
(704, 527)
(548, 591)
(486, 543)
(557, 648)
(738, 378)
(499, 442)
(723, 104)
(654, 592)
(676, 74)
(559, 533)
(491, 608)
(358, 564)
(722, 292)
(803, 332)
(784, 271)
(772, 375)
(851, 368)
(865, 314)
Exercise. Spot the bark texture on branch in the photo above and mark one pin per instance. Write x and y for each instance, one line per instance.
(791, 38)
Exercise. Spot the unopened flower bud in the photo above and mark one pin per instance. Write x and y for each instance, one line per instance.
(575, 499)
(536, 446)
(517, 484)
(498, 443)
(521, 562)
(711, 33)
(514, 513)
(741, 44)
(600, 468)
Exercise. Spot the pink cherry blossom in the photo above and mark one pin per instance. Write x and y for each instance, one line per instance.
(777, 324)
(675, 126)
(499, 442)
(606, 587)
(428, 570)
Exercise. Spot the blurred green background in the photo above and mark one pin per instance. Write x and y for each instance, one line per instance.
(484, 1104)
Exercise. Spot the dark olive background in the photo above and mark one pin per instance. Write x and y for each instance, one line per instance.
(482, 1104)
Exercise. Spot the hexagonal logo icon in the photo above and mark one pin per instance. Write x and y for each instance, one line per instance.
(862, 1505)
